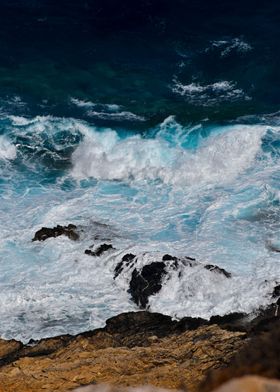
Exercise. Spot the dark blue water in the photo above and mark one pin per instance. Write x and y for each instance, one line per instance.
(158, 119)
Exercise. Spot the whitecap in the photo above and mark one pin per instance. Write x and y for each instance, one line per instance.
(7, 150)
(209, 94)
(226, 47)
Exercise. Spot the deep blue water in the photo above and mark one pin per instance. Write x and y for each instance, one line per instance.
(157, 119)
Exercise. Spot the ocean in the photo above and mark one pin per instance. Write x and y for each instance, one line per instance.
(152, 126)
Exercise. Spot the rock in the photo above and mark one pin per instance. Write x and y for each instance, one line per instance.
(276, 291)
(69, 231)
(259, 356)
(99, 251)
(146, 282)
(191, 323)
(126, 261)
(219, 270)
(232, 321)
(249, 384)
(8, 350)
(170, 362)
(134, 328)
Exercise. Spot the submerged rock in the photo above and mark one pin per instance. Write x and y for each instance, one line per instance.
(100, 250)
(219, 270)
(69, 231)
(276, 291)
(126, 261)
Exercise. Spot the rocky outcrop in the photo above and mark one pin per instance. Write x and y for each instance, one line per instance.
(259, 356)
(139, 348)
(148, 279)
(167, 362)
(69, 231)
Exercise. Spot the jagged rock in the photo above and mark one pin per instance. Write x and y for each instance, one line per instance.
(260, 356)
(69, 231)
(99, 251)
(146, 282)
(219, 270)
(126, 261)
(101, 357)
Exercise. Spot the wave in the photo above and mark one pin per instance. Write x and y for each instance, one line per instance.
(205, 191)
(218, 160)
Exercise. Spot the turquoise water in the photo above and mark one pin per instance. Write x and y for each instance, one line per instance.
(160, 134)
(206, 191)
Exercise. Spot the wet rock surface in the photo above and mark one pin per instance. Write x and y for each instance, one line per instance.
(126, 261)
(146, 282)
(99, 250)
(215, 268)
(69, 231)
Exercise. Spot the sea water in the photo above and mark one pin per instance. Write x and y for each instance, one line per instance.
(155, 149)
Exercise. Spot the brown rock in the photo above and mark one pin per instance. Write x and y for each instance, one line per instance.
(168, 362)
(259, 356)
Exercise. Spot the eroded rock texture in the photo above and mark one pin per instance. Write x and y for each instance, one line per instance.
(127, 352)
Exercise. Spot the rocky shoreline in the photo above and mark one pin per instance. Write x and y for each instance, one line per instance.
(139, 348)
(142, 347)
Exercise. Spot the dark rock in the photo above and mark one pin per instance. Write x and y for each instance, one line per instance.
(219, 270)
(232, 321)
(265, 318)
(45, 233)
(146, 282)
(99, 251)
(168, 258)
(191, 323)
(126, 260)
(133, 323)
(276, 292)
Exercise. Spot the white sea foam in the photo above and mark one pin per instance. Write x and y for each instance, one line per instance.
(88, 104)
(7, 149)
(219, 160)
(233, 45)
(115, 116)
(209, 94)
(106, 111)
